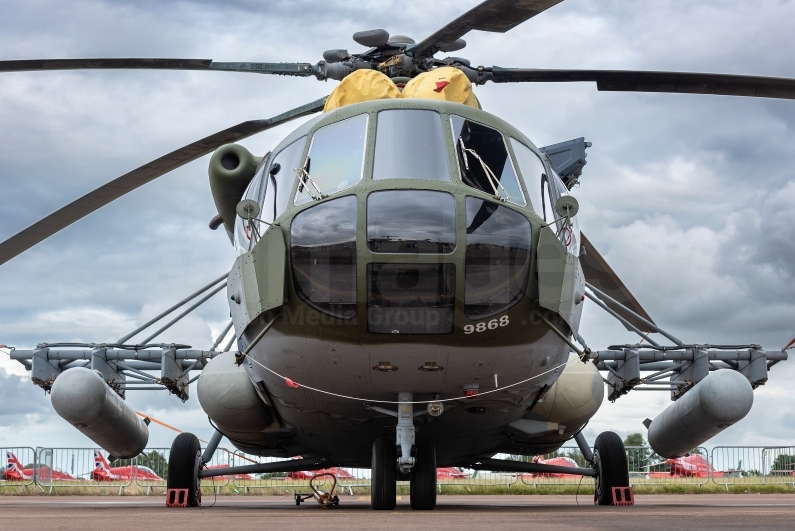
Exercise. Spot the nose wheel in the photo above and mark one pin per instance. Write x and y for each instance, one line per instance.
(423, 479)
(383, 486)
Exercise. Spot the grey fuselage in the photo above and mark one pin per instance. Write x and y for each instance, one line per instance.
(338, 350)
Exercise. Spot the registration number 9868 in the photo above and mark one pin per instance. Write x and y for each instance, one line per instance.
(487, 325)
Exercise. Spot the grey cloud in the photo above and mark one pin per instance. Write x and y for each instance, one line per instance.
(688, 197)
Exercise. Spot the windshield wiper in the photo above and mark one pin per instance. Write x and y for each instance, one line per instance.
(303, 178)
(492, 178)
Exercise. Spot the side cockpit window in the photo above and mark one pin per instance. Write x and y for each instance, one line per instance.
(544, 188)
(409, 144)
(243, 236)
(335, 160)
(484, 162)
(278, 180)
(323, 255)
(535, 179)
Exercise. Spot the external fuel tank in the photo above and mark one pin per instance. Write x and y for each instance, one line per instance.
(83, 399)
(721, 399)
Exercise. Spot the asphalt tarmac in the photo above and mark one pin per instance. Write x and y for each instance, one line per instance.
(459, 513)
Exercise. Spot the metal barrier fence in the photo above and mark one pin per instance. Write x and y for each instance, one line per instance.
(738, 465)
(152, 468)
(19, 469)
(50, 468)
(644, 468)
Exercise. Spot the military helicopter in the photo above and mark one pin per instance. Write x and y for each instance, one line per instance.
(403, 316)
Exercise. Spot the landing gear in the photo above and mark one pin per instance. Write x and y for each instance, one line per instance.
(610, 460)
(183, 467)
(383, 487)
(423, 480)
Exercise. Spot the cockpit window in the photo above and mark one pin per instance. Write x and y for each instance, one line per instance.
(242, 231)
(497, 258)
(323, 252)
(335, 160)
(534, 176)
(411, 221)
(484, 162)
(279, 177)
(544, 189)
(410, 298)
(410, 144)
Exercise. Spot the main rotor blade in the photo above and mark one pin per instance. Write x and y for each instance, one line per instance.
(128, 182)
(599, 273)
(639, 81)
(498, 16)
(31, 65)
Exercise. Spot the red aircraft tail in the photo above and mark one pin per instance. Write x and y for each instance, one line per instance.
(13, 463)
(100, 463)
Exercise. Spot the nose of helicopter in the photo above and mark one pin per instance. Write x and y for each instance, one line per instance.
(420, 255)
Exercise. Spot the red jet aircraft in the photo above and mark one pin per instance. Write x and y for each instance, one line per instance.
(16, 472)
(450, 473)
(557, 461)
(235, 476)
(689, 466)
(341, 473)
(104, 472)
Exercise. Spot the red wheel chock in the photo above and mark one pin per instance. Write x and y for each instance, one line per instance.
(623, 496)
(177, 498)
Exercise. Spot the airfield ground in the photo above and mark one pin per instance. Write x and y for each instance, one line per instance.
(459, 513)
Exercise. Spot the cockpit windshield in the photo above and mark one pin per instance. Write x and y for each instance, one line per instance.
(411, 221)
(323, 253)
(484, 162)
(335, 159)
(499, 241)
(410, 144)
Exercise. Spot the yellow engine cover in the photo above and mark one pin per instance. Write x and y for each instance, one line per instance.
(362, 85)
(445, 84)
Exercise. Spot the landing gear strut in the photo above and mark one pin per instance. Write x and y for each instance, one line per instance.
(414, 459)
(184, 462)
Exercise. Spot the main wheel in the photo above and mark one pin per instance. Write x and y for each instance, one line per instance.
(611, 462)
(183, 467)
(383, 487)
(423, 482)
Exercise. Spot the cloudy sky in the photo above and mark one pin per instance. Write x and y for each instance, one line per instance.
(690, 198)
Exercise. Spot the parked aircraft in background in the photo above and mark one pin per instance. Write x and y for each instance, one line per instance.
(341, 473)
(557, 461)
(689, 466)
(447, 473)
(16, 472)
(234, 476)
(104, 472)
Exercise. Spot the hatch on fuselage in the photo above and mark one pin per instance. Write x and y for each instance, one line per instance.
(408, 214)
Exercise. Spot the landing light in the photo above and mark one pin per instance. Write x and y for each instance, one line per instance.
(430, 366)
(385, 366)
(435, 408)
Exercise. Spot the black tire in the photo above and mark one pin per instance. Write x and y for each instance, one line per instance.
(611, 461)
(423, 481)
(183, 467)
(383, 487)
